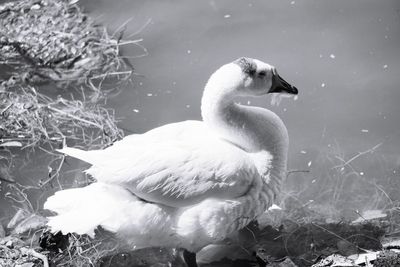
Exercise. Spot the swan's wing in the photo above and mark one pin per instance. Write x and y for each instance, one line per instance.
(177, 169)
(152, 138)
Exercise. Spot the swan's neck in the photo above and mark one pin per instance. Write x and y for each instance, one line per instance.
(253, 129)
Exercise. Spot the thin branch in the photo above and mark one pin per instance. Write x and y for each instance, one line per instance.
(57, 172)
(338, 236)
(141, 28)
(122, 27)
(74, 117)
(359, 154)
(130, 42)
(128, 73)
(296, 171)
(7, 181)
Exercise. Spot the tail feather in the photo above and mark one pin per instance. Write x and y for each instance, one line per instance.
(65, 200)
(115, 209)
(91, 157)
(68, 223)
(78, 210)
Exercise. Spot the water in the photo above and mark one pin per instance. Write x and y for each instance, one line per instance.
(342, 55)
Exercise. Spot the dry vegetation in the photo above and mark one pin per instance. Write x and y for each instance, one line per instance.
(64, 45)
(30, 118)
(346, 204)
(57, 76)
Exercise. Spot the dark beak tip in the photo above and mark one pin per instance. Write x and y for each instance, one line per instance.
(279, 85)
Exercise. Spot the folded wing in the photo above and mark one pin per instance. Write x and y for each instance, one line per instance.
(174, 166)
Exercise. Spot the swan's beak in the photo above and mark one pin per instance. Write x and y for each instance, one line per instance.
(279, 85)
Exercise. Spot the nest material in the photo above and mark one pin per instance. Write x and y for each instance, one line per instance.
(28, 117)
(52, 40)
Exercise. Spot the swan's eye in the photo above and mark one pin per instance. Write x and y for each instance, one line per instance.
(262, 74)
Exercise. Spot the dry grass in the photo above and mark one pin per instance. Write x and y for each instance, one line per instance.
(340, 186)
(66, 49)
(320, 204)
(65, 45)
(29, 118)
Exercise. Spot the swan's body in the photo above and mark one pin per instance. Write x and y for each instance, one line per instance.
(186, 184)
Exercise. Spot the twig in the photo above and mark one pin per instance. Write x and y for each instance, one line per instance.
(74, 117)
(359, 214)
(6, 180)
(22, 195)
(29, 251)
(359, 154)
(130, 42)
(141, 28)
(383, 192)
(296, 171)
(129, 72)
(6, 108)
(338, 236)
(57, 172)
(122, 27)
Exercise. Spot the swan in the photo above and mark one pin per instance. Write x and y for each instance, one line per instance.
(186, 184)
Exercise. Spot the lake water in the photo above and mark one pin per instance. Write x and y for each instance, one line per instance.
(342, 55)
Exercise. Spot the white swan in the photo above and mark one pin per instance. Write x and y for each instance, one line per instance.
(191, 183)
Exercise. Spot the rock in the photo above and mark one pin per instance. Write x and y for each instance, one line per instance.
(217, 252)
(16, 242)
(19, 216)
(14, 254)
(9, 244)
(335, 260)
(370, 215)
(33, 222)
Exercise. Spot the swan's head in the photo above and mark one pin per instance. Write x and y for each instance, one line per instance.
(252, 77)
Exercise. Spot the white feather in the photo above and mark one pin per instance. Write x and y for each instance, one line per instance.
(186, 184)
